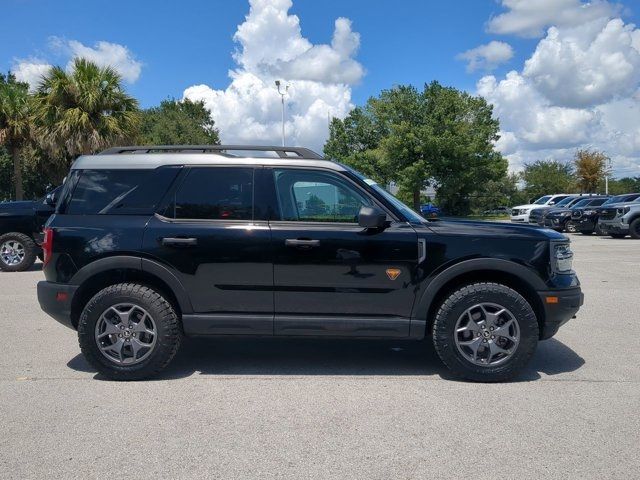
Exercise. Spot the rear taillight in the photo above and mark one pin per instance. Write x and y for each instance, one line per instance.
(47, 245)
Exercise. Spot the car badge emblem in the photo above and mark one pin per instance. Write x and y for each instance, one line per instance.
(393, 273)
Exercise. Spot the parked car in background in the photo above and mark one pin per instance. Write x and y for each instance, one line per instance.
(586, 220)
(621, 219)
(498, 211)
(520, 213)
(536, 215)
(21, 231)
(429, 210)
(149, 244)
(560, 218)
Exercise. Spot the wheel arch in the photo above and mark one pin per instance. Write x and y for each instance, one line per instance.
(504, 272)
(108, 271)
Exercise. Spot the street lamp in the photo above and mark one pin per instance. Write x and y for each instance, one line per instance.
(607, 171)
(282, 94)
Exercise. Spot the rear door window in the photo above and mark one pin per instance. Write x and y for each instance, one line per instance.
(214, 193)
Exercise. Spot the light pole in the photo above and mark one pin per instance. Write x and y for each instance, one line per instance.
(282, 94)
(607, 168)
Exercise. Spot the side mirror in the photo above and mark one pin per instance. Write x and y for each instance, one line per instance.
(51, 198)
(371, 217)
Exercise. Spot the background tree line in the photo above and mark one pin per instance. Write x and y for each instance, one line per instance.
(81, 111)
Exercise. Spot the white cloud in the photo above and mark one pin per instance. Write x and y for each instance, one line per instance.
(487, 57)
(272, 48)
(530, 18)
(580, 88)
(30, 70)
(103, 54)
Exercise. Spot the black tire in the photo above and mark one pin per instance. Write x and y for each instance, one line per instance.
(586, 232)
(598, 230)
(167, 323)
(634, 229)
(466, 297)
(617, 235)
(30, 251)
(571, 227)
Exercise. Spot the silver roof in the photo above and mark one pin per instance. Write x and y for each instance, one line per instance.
(138, 161)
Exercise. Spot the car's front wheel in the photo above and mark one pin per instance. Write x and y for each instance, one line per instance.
(571, 227)
(129, 332)
(485, 332)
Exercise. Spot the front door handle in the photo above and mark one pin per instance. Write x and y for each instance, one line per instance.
(179, 242)
(302, 243)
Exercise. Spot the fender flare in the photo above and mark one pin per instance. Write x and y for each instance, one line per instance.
(473, 265)
(145, 265)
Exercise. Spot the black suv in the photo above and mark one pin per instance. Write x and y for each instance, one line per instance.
(21, 225)
(152, 243)
(559, 219)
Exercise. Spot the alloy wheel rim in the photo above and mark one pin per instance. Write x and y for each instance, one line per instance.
(12, 252)
(126, 334)
(487, 334)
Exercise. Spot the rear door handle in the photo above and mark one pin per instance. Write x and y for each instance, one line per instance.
(179, 242)
(301, 243)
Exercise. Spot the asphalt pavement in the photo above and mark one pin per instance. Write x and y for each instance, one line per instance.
(330, 409)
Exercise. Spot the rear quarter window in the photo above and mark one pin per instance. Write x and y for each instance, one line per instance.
(119, 192)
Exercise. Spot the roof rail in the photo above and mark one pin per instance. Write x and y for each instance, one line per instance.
(283, 152)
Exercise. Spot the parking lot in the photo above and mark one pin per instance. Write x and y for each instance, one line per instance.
(330, 409)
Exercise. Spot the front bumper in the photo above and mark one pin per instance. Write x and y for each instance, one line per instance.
(524, 218)
(613, 226)
(585, 224)
(55, 300)
(560, 306)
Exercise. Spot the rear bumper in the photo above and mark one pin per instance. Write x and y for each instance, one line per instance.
(55, 300)
(560, 306)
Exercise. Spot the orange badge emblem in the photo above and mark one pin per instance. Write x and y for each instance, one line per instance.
(393, 273)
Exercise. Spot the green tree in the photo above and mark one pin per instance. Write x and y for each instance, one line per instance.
(15, 124)
(590, 168)
(438, 136)
(83, 112)
(178, 123)
(621, 185)
(545, 177)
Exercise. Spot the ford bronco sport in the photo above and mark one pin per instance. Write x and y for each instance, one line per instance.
(149, 244)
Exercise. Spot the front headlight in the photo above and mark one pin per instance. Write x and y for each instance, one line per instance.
(561, 257)
(523, 211)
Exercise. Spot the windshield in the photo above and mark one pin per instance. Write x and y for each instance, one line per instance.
(565, 201)
(582, 203)
(620, 198)
(542, 200)
(406, 211)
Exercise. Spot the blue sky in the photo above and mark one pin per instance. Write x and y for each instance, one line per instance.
(177, 45)
(188, 42)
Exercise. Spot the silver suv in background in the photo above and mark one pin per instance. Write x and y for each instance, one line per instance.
(621, 219)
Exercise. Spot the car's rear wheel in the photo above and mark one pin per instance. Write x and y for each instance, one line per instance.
(17, 252)
(129, 332)
(485, 332)
(571, 227)
(634, 229)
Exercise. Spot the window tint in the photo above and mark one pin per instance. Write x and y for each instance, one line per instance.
(597, 202)
(214, 193)
(119, 192)
(316, 196)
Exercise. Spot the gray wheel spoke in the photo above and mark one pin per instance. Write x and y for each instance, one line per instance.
(474, 345)
(116, 348)
(503, 331)
(137, 345)
(110, 329)
(494, 349)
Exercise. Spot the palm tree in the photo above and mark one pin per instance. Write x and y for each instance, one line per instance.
(84, 111)
(15, 123)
